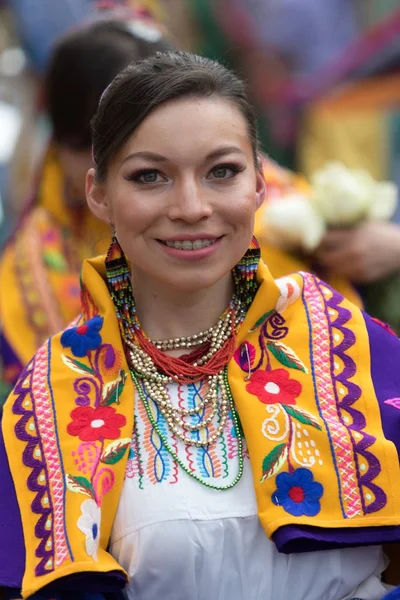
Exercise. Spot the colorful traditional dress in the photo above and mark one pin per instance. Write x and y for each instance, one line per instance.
(308, 460)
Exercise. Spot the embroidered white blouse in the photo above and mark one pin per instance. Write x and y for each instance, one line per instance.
(179, 540)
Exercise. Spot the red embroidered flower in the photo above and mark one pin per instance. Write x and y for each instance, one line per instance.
(272, 387)
(91, 424)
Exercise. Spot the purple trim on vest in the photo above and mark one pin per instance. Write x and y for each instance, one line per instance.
(365, 480)
(33, 441)
(385, 370)
(12, 548)
(305, 538)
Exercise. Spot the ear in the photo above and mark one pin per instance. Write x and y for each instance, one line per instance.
(261, 188)
(96, 198)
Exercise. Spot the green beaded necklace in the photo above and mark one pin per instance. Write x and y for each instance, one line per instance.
(135, 377)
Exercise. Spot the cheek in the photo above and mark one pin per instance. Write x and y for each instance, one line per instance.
(131, 214)
(242, 208)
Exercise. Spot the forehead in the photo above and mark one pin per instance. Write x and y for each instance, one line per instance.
(190, 127)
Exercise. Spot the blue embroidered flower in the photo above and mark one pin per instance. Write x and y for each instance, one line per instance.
(83, 338)
(298, 493)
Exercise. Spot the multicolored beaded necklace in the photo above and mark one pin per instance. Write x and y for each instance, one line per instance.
(152, 370)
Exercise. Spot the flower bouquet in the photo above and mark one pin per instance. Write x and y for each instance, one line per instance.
(339, 198)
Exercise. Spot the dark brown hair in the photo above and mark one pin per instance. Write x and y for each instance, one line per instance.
(83, 64)
(145, 85)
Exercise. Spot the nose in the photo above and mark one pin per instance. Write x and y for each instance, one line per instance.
(190, 202)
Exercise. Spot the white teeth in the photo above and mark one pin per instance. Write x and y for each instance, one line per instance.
(189, 245)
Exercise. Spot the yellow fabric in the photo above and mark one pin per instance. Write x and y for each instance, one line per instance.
(292, 320)
(281, 183)
(351, 125)
(39, 269)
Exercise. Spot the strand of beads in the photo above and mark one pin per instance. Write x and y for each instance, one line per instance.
(176, 418)
(198, 339)
(172, 452)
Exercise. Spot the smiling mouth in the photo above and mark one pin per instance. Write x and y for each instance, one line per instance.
(190, 244)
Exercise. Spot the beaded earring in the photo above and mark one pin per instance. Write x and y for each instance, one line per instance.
(244, 275)
(120, 286)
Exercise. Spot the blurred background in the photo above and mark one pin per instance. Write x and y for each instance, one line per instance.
(324, 75)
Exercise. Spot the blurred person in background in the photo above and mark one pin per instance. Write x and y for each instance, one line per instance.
(272, 43)
(356, 121)
(348, 90)
(39, 269)
(266, 41)
(40, 24)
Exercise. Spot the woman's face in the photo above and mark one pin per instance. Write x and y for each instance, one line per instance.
(182, 193)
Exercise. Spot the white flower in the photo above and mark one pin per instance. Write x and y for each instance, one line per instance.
(89, 524)
(341, 195)
(291, 222)
(385, 201)
(290, 291)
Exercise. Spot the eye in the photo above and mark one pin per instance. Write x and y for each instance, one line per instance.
(225, 171)
(147, 176)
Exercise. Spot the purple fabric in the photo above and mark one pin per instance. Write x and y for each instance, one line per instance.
(385, 369)
(12, 549)
(304, 538)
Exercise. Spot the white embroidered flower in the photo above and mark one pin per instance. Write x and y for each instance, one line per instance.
(292, 222)
(89, 524)
(290, 291)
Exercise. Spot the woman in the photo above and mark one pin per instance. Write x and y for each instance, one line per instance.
(39, 270)
(202, 429)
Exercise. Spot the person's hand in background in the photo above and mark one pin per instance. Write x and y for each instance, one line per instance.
(363, 254)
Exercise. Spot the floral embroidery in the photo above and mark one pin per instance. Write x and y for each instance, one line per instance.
(94, 421)
(91, 424)
(286, 424)
(89, 524)
(83, 338)
(273, 387)
(298, 493)
(110, 360)
(290, 292)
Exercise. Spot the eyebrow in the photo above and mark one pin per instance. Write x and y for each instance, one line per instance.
(154, 157)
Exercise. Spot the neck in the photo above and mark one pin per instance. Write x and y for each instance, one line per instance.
(166, 313)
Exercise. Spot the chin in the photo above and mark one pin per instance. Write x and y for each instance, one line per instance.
(196, 282)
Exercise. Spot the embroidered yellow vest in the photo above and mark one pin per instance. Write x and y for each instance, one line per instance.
(301, 383)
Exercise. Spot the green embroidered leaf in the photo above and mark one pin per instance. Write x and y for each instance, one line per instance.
(262, 320)
(115, 451)
(77, 365)
(302, 416)
(286, 356)
(274, 461)
(79, 484)
(113, 390)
